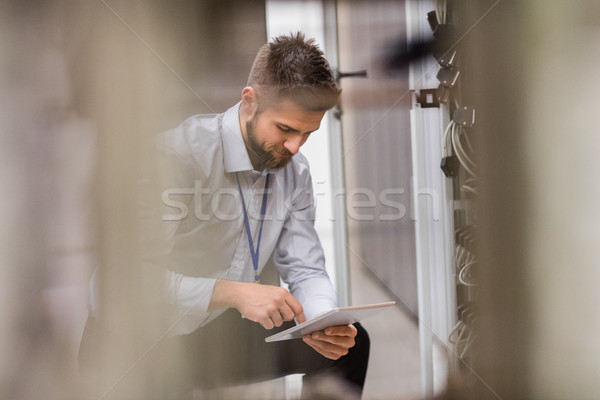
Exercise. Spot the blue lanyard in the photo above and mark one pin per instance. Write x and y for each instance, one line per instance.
(254, 253)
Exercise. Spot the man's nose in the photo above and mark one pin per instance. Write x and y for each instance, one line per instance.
(293, 144)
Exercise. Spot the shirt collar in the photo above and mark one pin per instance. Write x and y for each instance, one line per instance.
(235, 155)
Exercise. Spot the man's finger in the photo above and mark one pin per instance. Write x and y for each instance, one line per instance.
(276, 318)
(341, 330)
(296, 307)
(342, 341)
(266, 323)
(326, 349)
(287, 314)
(300, 318)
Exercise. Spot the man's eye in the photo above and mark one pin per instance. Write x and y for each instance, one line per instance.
(284, 129)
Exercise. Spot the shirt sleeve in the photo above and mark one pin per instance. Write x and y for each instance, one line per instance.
(186, 298)
(299, 256)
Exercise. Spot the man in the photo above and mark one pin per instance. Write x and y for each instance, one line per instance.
(251, 194)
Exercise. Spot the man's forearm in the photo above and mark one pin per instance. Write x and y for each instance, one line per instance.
(225, 294)
(266, 304)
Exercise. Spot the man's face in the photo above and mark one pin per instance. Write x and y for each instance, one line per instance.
(276, 133)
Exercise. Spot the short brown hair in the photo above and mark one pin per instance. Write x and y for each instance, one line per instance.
(295, 68)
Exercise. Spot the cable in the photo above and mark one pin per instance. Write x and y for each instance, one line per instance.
(446, 131)
(466, 137)
(459, 146)
(459, 151)
(455, 335)
(441, 10)
(463, 271)
(470, 186)
(470, 189)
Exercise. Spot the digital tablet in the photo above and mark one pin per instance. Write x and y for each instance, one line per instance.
(334, 317)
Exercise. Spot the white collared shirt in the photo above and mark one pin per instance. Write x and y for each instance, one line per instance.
(204, 222)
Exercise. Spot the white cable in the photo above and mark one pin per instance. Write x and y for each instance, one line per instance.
(446, 131)
(469, 341)
(470, 189)
(470, 185)
(441, 6)
(455, 335)
(458, 151)
(466, 137)
(460, 146)
(457, 144)
(461, 273)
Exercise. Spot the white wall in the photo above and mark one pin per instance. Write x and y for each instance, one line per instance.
(285, 17)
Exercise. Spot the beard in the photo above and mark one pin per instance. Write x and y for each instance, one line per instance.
(270, 156)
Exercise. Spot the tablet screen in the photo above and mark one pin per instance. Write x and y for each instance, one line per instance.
(335, 317)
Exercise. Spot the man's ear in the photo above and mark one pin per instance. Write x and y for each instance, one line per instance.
(249, 100)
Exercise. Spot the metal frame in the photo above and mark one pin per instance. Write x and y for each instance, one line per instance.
(338, 182)
(433, 231)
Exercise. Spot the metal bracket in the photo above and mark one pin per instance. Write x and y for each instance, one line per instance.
(427, 98)
(339, 75)
(464, 116)
(354, 74)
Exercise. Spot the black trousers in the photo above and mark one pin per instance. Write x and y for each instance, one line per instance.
(228, 351)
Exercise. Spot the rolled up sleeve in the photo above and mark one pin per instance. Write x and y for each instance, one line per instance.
(188, 298)
(299, 255)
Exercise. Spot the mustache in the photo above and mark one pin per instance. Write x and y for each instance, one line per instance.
(279, 150)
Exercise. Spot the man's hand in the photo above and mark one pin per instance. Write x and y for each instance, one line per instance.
(268, 305)
(332, 342)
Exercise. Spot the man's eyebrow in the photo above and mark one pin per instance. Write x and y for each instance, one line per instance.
(285, 126)
(282, 125)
